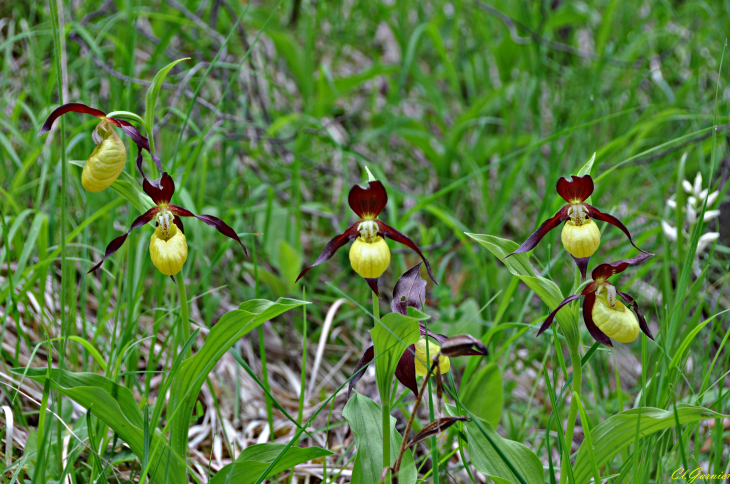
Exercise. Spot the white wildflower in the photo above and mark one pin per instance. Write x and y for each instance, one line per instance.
(669, 231)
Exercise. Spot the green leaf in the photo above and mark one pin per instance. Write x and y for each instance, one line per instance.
(128, 188)
(519, 265)
(488, 451)
(483, 394)
(365, 421)
(187, 382)
(289, 264)
(151, 97)
(114, 405)
(619, 431)
(586, 170)
(254, 461)
(390, 340)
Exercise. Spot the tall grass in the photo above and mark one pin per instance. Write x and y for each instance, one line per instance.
(468, 112)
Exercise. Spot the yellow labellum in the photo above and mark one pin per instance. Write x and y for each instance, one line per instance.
(106, 161)
(433, 350)
(168, 253)
(618, 323)
(370, 259)
(581, 240)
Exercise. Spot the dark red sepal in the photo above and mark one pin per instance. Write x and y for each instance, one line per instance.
(117, 243)
(402, 238)
(367, 357)
(575, 190)
(373, 283)
(642, 320)
(551, 317)
(542, 231)
(160, 190)
(440, 338)
(405, 371)
(409, 291)
(604, 271)
(582, 263)
(215, 222)
(141, 142)
(596, 214)
(69, 108)
(178, 221)
(597, 334)
(332, 246)
(368, 202)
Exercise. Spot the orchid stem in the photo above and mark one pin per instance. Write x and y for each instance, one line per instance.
(385, 402)
(573, 412)
(184, 313)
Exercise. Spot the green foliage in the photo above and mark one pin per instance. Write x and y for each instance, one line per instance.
(483, 394)
(619, 431)
(254, 460)
(364, 418)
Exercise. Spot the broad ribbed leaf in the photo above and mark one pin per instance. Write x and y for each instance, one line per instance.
(519, 265)
(151, 96)
(189, 379)
(493, 455)
(128, 188)
(619, 431)
(114, 405)
(254, 461)
(365, 421)
(483, 394)
(390, 344)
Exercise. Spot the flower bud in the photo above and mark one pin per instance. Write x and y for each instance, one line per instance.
(421, 358)
(617, 322)
(370, 259)
(581, 240)
(168, 250)
(106, 161)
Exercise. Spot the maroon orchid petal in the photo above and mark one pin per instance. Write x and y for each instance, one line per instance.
(117, 243)
(215, 222)
(409, 291)
(582, 263)
(442, 338)
(463, 345)
(373, 283)
(405, 371)
(597, 334)
(141, 142)
(367, 357)
(368, 202)
(178, 221)
(542, 231)
(594, 213)
(332, 247)
(402, 238)
(575, 190)
(434, 429)
(160, 190)
(69, 108)
(642, 320)
(589, 289)
(549, 320)
(604, 271)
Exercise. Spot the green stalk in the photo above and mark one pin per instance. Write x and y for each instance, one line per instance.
(184, 313)
(385, 402)
(434, 440)
(304, 358)
(262, 349)
(573, 411)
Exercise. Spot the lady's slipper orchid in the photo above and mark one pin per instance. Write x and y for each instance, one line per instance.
(606, 317)
(410, 291)
(580, 235)
(369, 255)
(106, 162)
(168, 247)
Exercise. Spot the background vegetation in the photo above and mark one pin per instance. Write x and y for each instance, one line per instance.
(468, 111)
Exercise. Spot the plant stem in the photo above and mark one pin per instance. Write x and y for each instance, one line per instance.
(304, 359)
(431, 416)
(184, 314)
(385, 402)
(573, 412)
